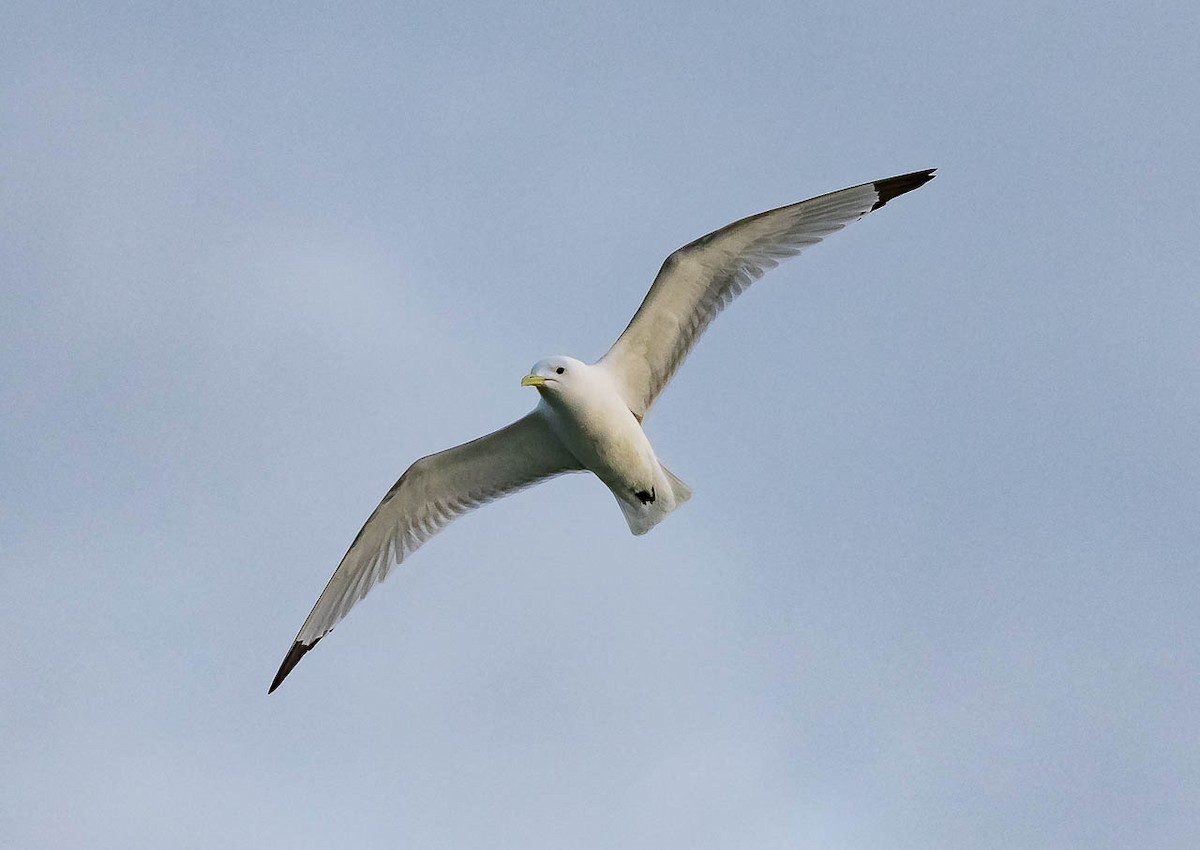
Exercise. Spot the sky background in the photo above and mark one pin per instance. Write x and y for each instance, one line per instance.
(937, 585)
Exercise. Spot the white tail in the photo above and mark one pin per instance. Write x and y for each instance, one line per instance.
(682, 491)
(670, 493)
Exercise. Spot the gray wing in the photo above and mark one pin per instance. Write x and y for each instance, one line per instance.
(434, 491)
(702, 278)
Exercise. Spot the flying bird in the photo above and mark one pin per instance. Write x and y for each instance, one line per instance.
(589, 416)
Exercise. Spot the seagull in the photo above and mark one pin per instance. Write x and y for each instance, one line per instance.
(589, 416)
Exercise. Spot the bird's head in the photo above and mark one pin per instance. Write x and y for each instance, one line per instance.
(553, 374)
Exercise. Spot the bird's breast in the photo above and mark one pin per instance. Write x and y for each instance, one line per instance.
(605, 437)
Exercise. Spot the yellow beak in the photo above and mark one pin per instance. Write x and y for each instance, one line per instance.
(532, 381)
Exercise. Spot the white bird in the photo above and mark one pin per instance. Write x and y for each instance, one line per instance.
(589, 417)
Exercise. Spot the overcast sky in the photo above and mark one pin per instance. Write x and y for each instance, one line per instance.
(937, 584)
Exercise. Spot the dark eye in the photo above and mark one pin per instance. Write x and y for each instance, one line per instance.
(559, 370)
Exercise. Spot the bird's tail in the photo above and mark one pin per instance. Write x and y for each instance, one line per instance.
(642, 513)
(682, 491)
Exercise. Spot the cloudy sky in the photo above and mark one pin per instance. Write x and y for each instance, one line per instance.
(937, 585)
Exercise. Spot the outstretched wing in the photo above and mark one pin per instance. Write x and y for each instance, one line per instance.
(702, 278)
(434, 491)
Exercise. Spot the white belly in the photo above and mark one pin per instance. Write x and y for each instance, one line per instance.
(609, 441)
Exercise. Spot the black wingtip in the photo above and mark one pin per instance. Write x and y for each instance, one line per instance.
(290, 661)
(895, 186)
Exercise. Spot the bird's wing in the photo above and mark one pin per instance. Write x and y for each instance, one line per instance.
(700, 279)
(432, 492)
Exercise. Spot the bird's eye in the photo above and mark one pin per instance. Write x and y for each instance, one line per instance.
(559, 370)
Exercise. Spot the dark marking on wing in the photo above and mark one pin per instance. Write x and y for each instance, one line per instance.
(290, 661)
(893, 187)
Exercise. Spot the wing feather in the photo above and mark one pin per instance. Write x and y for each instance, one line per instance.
(703, 277)
(433, 492)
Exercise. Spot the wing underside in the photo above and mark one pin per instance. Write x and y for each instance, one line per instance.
(700, 279)
(433, 492)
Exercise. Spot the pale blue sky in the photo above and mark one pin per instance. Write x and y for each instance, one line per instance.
(936, 588)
